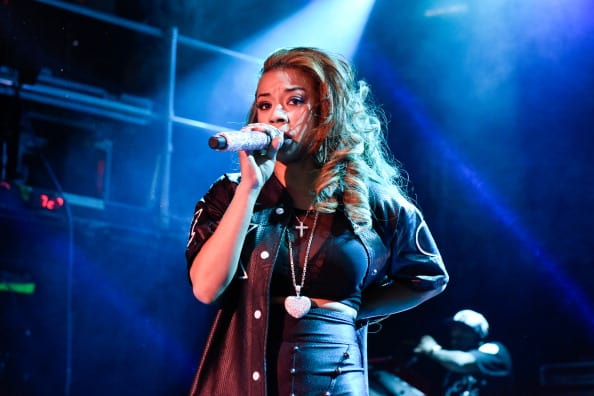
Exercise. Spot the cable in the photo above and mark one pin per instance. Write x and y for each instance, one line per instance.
(69, 275)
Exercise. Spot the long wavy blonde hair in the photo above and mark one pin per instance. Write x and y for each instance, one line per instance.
(348, 142)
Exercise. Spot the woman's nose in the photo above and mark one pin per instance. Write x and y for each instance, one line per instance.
(279, 115)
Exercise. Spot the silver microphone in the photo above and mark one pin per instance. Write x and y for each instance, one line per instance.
(236, 141)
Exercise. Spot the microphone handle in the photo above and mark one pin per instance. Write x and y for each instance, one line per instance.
(236, 141)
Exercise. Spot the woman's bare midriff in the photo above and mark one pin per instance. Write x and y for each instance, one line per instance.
(334, 306)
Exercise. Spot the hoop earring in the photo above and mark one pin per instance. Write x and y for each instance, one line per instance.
(321, 155)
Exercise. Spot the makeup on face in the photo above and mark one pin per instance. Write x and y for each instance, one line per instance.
(285, 99)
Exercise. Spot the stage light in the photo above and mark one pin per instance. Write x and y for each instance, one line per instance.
(333, 25)
(483, 193)
(226, 82)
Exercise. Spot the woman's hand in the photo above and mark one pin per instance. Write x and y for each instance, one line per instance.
(257, 166)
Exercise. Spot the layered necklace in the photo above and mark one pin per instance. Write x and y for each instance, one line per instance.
(298, 305)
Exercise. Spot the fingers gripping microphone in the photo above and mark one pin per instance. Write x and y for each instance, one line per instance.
(236, 141)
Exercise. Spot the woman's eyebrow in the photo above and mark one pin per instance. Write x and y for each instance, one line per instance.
(290, 89)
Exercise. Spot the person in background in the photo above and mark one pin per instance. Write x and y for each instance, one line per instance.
(473, 366)
(312, 239)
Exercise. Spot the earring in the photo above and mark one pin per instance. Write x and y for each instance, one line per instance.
(321, 155)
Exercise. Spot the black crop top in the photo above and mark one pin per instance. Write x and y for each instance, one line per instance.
(337, 262)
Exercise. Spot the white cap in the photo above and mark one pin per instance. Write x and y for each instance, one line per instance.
(474, 320)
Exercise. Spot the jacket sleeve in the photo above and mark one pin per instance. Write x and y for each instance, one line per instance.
(414, 258)
(406, 267)
(208, 213)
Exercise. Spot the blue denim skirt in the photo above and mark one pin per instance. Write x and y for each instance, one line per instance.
(318, 354)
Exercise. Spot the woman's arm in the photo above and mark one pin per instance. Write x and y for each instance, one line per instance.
(214, 266)
(413, 271)
(384, 301)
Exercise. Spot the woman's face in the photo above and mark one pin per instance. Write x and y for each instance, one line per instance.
(285, 99)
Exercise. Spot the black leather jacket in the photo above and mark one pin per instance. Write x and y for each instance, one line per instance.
(401, 252)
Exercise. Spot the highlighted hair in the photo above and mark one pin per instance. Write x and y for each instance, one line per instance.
(348, 142)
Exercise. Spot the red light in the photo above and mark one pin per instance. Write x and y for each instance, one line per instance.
(51, 203)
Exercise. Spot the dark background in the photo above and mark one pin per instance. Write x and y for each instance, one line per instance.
(491, 113)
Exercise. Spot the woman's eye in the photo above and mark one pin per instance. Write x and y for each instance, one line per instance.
(263, 106)
(297, 100)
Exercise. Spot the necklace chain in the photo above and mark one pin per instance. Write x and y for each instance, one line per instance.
(305, 261)
(304, 217)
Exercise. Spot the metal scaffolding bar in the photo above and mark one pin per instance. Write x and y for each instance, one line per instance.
(168, 149)
(130, 113)
(146, 29)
